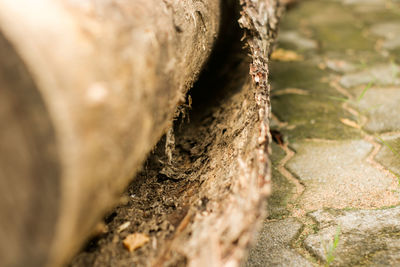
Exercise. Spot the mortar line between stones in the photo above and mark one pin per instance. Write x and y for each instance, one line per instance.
(343, 91)
(390, 133)
(299, 188)
(289, 154)
(367, 137)
(371, 157)
(280, 123)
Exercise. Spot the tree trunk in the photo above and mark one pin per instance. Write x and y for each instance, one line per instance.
(87, 88)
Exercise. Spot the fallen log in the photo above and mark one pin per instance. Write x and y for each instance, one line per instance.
(86, 91)
(87, 88)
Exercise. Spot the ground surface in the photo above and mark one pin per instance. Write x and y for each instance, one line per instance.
(336, 121)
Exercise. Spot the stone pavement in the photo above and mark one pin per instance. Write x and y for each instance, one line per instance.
(336, 121)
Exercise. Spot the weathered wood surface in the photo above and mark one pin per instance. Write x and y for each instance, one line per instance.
(86, 90)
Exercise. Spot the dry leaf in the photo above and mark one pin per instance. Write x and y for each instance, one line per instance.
(322, 66)
(295, 91)
(135, 241)
(286, 55)
(350, 123)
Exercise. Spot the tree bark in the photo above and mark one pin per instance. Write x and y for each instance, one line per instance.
(87, 88)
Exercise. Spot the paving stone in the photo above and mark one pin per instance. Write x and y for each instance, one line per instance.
(339, 32)
(314, 114)
(300, 74)
(337, 175)
(391, 43)
(381, 105)
(386, 29)
(331, 159)
(313, 117)
(381, 75)
(366, 237)
(363, 2)
(390, 31)
(340, 65)
(332, 32)
(389, 155)
(273, 245)
(365, 6)
(296, 39)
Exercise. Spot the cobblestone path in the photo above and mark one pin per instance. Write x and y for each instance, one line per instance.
(336, 123)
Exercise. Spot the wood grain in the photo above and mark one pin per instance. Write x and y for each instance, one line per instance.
(86, 90)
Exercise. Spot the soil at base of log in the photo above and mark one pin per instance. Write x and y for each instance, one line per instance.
(201, 207)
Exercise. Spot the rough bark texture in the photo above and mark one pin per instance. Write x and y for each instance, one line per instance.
(202, 205)
(87, 88)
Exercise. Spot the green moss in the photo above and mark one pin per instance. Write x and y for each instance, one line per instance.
(387, 14)
(341, 37)
(281, 187)
(314, 116)
(300, 74)
(309, 13)
(342, 31)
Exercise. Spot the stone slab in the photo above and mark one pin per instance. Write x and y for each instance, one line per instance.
(366, 237)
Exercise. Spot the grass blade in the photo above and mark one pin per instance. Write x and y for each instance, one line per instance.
(342, 99)
(330, 257)
(389, 146)
(361, 96)
(396, 154)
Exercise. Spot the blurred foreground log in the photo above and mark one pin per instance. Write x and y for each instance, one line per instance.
(86, 90)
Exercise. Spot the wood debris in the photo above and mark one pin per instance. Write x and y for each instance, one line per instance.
(135, 241)
(123, 226)
(350, 123)
(100, 228)
(286, 55)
